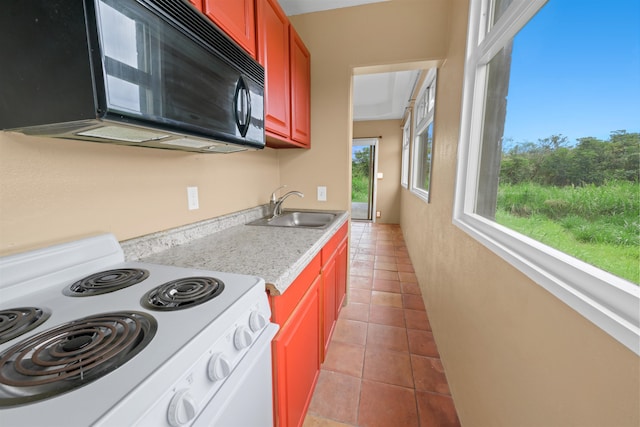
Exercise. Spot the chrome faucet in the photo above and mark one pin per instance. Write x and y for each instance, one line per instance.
(273, 200)
(276, 204)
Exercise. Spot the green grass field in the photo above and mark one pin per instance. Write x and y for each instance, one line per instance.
(359, 188)
(597, 224)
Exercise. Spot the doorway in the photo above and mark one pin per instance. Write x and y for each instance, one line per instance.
(363, 172)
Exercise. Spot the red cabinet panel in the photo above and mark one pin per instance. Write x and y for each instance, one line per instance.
(236, 18)
(197, 4)
(300, 90)
(334, 286)
(328, 303)
(283, 305)
(342, 260)
(296, 356)
(273, 54)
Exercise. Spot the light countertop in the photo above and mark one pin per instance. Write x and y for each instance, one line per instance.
(276, 254)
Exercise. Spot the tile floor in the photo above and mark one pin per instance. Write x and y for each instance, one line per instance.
(383, 367)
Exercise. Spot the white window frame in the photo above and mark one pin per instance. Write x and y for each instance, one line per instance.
(424, 114)
(406, 144)
(611, 303)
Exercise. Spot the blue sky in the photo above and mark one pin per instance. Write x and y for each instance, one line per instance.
(576, 71)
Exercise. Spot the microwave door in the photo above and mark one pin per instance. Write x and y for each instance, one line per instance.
(131, 58)
(145, 56)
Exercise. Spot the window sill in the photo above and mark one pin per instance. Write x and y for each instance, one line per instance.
(611, 303)
(420, 193)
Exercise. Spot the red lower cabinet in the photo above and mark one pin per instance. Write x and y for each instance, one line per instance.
(342, 260)
(297, 356)
(329, 303)
(296, 347)
(306, 312)
(334, 283)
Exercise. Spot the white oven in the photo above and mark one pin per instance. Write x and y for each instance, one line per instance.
(89, 339)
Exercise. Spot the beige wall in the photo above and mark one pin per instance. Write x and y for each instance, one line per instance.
(514, 354)
(54, 190)
(339, 41)
(389, 164)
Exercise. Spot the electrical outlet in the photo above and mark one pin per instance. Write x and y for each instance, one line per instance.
(192, 198)
(378, 214)
(322, 194)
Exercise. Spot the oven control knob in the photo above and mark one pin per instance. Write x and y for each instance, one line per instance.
(182, 408)
(257, 321)
(242, 338)
(219, 367)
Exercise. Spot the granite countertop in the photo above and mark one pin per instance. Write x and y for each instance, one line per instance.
(276, 254)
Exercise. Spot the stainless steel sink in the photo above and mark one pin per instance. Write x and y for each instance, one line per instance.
(298, 219)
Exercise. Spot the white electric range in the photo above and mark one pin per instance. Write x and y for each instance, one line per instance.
(89, 339)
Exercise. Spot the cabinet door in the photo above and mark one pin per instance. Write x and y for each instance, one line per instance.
(342, 259)
(300, 90)
(329, 302)
(236, 18)
(296, 354)
(273, 54)
(197, 4)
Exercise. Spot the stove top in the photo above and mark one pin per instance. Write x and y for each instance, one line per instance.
(182, 293)
(76, 323)
(17, 321)
(71, 355)
(106, 281)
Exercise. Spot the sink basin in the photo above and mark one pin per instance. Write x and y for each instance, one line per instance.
(298, 219)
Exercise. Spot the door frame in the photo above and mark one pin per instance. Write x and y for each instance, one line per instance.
(371, 142)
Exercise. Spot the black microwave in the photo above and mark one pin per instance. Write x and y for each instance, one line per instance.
(148, 73)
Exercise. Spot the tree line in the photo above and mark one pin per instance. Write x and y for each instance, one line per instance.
(552, 161)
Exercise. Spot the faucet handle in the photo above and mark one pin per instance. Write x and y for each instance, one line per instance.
(273, 195)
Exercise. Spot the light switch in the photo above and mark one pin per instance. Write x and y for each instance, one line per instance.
(380, 175)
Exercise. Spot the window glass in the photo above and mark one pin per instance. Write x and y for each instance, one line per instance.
(499, 6)
(549, 155)
(423, 139)
(406, 142)
(557, 163)
(424, 147)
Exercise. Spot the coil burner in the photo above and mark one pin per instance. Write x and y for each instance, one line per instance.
(106, 281)
(71, 355)
(182, 293)
(17, 321)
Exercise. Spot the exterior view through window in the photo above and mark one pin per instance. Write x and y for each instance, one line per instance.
(549, 153)
(560, 142)
(363, 155)
(423, 141)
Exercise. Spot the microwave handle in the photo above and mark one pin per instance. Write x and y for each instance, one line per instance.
(242, 106)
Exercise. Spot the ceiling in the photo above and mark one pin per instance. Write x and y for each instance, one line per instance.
(298, 7)
(380, 96)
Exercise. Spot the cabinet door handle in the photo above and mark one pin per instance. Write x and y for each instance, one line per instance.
(242, 106)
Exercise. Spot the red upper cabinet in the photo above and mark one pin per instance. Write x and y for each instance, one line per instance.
(236, 18)
(197, 4)
(300, 90)
(273, 54)
(286, 61)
